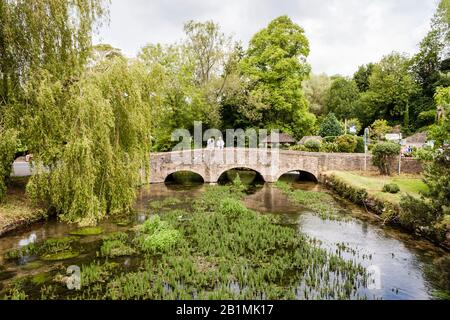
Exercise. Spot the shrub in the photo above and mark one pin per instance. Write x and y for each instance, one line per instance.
(329, 147)
(416, 213)
(8, 141)
(330, 139)
(330, 126)
(379, 129)
(359, 145)
(423, 154)
(156, 236)
(391, 188)
(347, 143)
(298, 147)
(313, 145)
(383, 155)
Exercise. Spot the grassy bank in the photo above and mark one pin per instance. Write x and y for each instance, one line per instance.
(373, 183)
(367, 190)
(17, 211)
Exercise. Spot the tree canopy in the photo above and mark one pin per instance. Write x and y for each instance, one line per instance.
(275, 64)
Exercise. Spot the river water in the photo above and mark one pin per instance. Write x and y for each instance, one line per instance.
(404, 267)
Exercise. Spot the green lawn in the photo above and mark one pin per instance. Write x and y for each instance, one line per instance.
(374, 183)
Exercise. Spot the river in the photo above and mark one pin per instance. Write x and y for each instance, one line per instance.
(406, 267)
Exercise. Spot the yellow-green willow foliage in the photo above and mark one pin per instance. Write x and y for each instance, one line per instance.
(38, 35)
(90, 160)
(8, 142)
(54, 35)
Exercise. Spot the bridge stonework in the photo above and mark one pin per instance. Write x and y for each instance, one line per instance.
(271, 164)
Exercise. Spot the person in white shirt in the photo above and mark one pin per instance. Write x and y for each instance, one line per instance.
(210, 144)
(220, 143)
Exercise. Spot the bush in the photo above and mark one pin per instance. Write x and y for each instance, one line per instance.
(416, 213)
(425, 154)
(347, 143)
(313, 145)
(391, 188)
(383, 155)
(330, 126)
(379, 129)
(156, 236)
(359, 145)
(330, 147)
(8, 144)
(330, 139)
(298, 147)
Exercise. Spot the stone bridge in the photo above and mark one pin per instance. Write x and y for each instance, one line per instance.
(271, 164)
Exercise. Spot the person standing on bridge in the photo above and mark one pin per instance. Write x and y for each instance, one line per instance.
(210, 144)
(220, 143)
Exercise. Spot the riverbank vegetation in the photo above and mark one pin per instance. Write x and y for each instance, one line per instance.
(17, 210)
(417, 207)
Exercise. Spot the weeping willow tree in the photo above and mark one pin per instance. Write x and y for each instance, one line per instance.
(91, 160)
(87, 127)
(36, 37)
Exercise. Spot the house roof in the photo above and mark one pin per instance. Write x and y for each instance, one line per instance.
(307, 138)
(421, 137)
(279, 138)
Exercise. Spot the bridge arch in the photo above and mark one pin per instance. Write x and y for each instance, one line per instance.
(178, 175)
(302, 175)
(228, 175)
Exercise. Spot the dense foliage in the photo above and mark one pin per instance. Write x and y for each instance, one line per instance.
(330, 127)
(384, 154)
(101, 142)
(8, 142)
(275, 65)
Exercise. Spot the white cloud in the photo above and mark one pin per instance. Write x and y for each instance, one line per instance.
(343, 34)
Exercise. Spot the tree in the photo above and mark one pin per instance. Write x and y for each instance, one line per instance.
(316, 89)
(88, 161)
(342, 97)
(181, 98)
(8, 143)
(390, 90)
(103, 53)
(275, 66)
(440, 131)
(379, 129)
(362, 76)
(383, 155)
(209, 48)
(429, 64)
(37, 37)
(347, 143)
(330, 127)
(52, 35)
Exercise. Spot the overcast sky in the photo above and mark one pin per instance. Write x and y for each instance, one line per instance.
(343, 34)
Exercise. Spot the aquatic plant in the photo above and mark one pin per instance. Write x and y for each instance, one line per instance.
(115, 248)
(64, 255)
(49, 249)
(219, 249)
(89, 231)
(96, 272)
(156, 236)
(320, 203)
